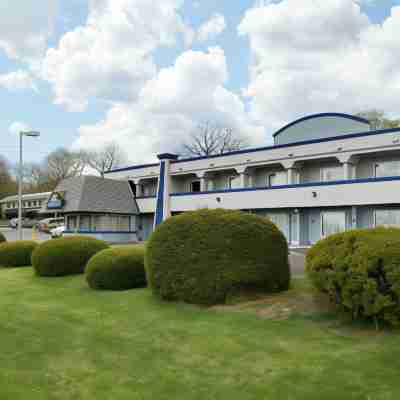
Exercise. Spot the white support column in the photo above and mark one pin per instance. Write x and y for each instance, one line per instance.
(348, 170)
(163, 209)
(203, 184)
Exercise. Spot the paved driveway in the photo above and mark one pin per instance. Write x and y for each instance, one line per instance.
(297, 259)
(11, 234)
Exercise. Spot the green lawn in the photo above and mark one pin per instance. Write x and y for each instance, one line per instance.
(61, 340)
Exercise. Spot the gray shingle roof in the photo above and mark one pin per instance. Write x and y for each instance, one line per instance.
(94, 194)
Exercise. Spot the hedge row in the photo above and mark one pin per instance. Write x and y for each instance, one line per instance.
(205, 256)
(118, 268)
(16, 254)
(2, 238)
(66, 256)
(360, 271)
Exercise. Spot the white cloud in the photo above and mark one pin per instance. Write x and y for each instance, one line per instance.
(17, 127)
(313, 56)
(110, 57)
(25, 27)
(211, 28)
(18, 80)
(171, 105)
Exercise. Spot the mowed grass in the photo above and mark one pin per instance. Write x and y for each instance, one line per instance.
(61, 340)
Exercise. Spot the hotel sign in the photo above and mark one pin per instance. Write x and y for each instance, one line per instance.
(56, 201)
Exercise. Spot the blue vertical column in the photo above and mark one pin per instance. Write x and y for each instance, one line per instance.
(163, 209)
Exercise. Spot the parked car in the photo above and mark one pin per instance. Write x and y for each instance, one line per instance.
(57, 232)
(46, 225)
(26, 223)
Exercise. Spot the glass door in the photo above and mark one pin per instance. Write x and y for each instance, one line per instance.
(333, 222)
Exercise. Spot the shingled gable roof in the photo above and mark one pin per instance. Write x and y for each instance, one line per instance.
(94, 194)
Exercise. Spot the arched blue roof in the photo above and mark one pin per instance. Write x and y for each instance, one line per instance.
(315, 116)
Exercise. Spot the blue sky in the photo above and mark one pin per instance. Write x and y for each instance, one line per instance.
(249, 65)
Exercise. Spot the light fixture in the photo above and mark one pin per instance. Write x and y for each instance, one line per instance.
(31, 133)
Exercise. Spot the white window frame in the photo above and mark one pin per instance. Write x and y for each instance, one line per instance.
(322, 220)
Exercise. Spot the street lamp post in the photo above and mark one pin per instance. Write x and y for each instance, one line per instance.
(20, 178)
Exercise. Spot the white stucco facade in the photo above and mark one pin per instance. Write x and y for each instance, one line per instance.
(322, 176)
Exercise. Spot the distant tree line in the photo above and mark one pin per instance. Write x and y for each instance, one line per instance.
(58, 165)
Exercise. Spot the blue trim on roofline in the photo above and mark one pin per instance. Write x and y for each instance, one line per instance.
(301, 143)
(99, 232)
(294, 186)
(132, 167)
(146, 197)
(272, 147)
(314, 116)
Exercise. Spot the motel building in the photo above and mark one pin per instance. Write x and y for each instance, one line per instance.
(325, 173)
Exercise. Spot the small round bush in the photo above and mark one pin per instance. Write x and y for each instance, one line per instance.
(207, 256)
(117, 268)
(65, 256)
(16, 254)
(360, 271)
(2, 238)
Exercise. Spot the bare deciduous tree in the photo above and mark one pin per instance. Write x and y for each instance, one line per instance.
(62, 164)
(211, 139)
(110, 156)
(8, 185)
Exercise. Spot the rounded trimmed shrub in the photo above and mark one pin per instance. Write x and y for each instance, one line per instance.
(117, 268)
(2, 238)
(205, 256)
(17, 254)
(360, 271)
(65, 256)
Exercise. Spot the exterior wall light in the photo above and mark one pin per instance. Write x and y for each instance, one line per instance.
(218, 199)
(314, 194)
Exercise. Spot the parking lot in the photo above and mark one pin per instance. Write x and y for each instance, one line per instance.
(11, 234)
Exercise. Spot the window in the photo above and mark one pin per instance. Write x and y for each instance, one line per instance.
(271, 180)
(84, 223)
(387, 217)
(333, 222)
(233, 182)
(332, 173)
(387, 168)
(281, 220)
(195, 187)
(72, 223)
(149, 189)
(119, 223)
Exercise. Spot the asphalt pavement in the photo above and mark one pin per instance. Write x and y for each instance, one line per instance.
(27, 234)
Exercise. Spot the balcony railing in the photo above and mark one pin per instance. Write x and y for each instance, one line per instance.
(292, 186)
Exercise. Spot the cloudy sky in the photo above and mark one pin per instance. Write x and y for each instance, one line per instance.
(146, 73)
